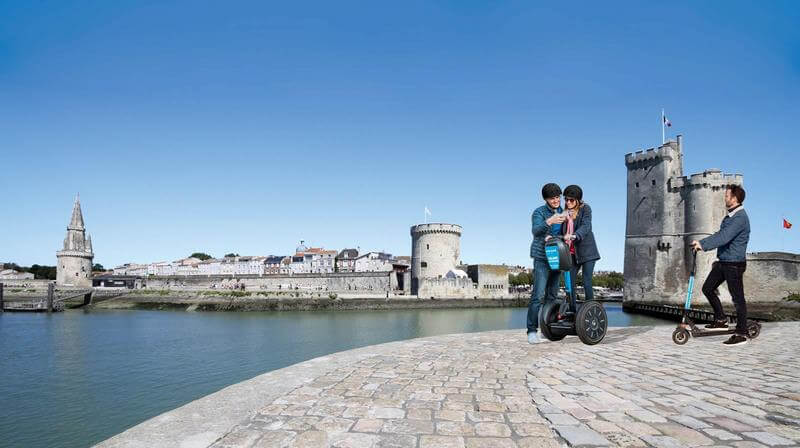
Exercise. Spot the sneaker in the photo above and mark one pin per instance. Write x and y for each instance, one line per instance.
(736, 340)
(718, 324)
(533, 338)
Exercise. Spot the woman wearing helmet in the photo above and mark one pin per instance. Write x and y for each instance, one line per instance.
(577, 231)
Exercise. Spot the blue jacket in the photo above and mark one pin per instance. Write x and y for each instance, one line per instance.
(732, 238)
(540, 230)
(585, 245)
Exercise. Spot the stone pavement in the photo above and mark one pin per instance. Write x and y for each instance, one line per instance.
(636, 389)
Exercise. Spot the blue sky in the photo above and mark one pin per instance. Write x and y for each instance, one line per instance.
(247, 126)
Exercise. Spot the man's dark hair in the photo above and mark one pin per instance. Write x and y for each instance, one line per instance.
(550, 190)
(738, 192)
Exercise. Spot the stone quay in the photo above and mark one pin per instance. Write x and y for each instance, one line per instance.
(493, 389)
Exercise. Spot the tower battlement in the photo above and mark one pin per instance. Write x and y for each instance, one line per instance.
(668, 151)
(436, 228)
(706, 179)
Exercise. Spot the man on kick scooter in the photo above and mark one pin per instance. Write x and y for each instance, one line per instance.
(731, 244)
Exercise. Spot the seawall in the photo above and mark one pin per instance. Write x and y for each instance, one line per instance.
(188, 302)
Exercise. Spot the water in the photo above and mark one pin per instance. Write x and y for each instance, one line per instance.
(77, 378)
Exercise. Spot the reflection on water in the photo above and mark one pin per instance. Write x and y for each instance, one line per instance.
(75, 378)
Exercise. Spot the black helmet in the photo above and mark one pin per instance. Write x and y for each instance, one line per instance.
(573, 191)
(550, 191)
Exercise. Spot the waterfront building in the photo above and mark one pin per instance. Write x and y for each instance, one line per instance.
(374, 262)
(11, 274)
(133, 269)
(346, 260)
(312, 260)
(273, 265)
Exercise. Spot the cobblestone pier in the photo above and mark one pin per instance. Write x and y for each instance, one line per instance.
(636, 389)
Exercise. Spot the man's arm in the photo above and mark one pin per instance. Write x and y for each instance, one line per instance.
(724, 236)
(539, 224)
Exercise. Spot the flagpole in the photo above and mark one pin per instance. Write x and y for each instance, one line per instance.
(783, 235)
(663, 138)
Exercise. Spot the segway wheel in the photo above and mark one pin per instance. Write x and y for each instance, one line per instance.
(547, 316)
(753, 329)
(680, 336)
(591, 323)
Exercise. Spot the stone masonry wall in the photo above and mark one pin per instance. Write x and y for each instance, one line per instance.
(448, 288)
(350, 282)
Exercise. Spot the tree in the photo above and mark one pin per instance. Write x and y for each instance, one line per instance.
(201, 256)
(231, 255)
(42, 272)
(98, 267)
(611, 280)
(521, 279)
(39, 272)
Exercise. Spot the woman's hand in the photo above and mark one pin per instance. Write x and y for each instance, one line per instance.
(569, 237)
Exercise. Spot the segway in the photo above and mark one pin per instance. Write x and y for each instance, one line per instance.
(687, 327)
(563, 317)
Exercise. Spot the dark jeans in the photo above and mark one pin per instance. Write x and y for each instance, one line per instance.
(731, 273)
(545, 288)
(588, 270)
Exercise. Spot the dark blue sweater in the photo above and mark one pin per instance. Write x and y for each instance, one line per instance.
(732, 238)
(540, 230)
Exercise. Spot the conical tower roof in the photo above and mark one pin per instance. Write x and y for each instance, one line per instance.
(76, 223)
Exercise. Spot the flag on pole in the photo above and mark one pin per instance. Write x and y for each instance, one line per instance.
(665, 123)
(786, 224)
(427, 213)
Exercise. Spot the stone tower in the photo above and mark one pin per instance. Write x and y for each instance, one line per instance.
(435, 250)
(75, 258)
(666, 211)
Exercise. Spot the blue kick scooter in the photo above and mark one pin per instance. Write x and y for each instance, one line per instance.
(687, 327)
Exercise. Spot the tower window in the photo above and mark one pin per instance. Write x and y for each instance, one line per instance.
(654, 182)
(637, 184)
(424, 264)
(428, 246)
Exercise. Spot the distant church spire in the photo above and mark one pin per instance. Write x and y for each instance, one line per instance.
(76, 223)
(75, 259)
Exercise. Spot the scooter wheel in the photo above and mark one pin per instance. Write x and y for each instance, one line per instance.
(547, 316)
(591, 323)
(753, 330)
(680, 336)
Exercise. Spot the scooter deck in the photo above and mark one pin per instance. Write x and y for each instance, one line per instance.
(701, 333)
(698, 332)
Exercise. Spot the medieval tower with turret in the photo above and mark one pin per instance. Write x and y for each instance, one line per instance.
(75, 258)
(666, 211)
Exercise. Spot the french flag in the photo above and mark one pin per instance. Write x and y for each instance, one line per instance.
(786, 224)
(667, 122)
